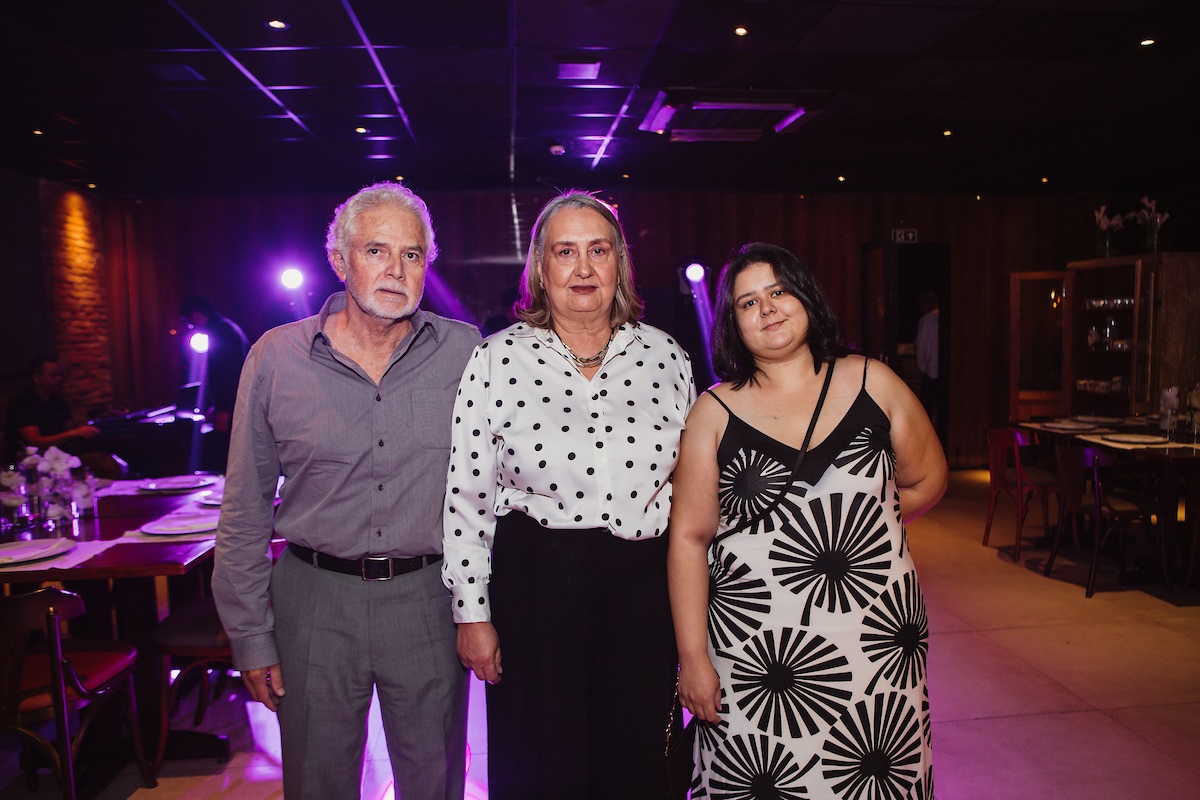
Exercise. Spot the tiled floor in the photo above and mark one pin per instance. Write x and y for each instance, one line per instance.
(1036, 691)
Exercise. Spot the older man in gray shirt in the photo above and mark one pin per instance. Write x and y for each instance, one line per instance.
(354, 407)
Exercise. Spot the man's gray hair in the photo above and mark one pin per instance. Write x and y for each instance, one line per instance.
(384, 193)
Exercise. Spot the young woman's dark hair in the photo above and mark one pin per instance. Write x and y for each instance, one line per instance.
(732, 361)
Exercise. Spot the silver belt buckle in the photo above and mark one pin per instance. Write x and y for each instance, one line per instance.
(391, 568)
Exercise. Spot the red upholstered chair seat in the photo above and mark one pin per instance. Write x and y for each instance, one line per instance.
(95, 668)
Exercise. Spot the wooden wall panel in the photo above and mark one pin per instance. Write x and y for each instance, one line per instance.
(232, 250)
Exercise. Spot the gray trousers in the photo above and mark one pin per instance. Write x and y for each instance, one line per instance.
(338, 637)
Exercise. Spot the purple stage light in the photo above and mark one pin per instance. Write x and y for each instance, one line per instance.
(695, 273)
(199, 342)
(447, 303)
(292, 278)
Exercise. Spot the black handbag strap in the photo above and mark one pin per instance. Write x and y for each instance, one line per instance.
(812, 426)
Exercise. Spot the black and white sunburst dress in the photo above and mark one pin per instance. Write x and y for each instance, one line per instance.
(816, 624)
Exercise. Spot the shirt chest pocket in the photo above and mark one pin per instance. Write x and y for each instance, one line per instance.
(432, 411)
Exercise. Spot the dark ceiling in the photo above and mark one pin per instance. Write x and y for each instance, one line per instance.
(199, 96)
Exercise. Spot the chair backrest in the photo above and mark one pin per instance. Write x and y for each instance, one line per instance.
(20, 616)
(1001, 443)
(1077, 468)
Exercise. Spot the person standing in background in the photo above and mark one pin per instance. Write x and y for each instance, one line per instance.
(927, 355)
(227, 348)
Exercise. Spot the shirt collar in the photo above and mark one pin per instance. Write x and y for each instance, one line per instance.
(621, 339)
(337, 302)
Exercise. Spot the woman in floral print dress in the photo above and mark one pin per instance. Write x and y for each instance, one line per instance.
(801, 628)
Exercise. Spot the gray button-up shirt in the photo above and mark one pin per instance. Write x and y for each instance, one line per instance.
(364, 466)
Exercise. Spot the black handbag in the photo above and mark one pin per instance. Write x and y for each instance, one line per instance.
(679, 750)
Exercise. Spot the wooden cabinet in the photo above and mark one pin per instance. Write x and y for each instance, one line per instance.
(1105, 336)
(1136, 330)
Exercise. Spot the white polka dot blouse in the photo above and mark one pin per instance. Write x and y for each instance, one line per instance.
(532, 434)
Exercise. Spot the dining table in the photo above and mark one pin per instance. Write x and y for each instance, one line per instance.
(143, 534)
(1173, 456)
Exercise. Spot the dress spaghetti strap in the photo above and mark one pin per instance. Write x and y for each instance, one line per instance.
(866, 363)
(713, 394)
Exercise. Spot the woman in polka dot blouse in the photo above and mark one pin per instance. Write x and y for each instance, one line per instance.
(566, 433)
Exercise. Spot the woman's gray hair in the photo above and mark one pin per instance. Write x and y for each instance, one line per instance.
(532, 305)
(384, 193)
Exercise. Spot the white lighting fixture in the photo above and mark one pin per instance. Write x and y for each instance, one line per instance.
(842, 178)
(276, 25)
(694, 273)
(37, 133)
(946, 133)
(292, 278)
(1147, 42)
(361, 129)
(199, 342)
(740, 31)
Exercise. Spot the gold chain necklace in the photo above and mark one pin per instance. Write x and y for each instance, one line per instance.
(594, 361)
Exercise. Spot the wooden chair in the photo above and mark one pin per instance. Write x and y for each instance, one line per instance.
(1083, 494)
(1018, 481)
(194, 632)
(58, 678)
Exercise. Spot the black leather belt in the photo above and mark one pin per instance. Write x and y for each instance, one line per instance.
(371, 568)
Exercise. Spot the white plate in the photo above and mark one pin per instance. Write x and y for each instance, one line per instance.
(1134, 438)
(1068, 425)
(35, 550)
(175, 524)
(177, 484)
(1098, 420)
(212, 499)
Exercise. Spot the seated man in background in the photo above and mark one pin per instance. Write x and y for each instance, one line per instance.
(39, 416)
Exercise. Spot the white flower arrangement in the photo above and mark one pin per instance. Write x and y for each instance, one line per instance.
(46, 478)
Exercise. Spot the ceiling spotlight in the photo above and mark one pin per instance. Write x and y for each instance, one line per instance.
(945, 133)
(842, 178)
(624, 174)
(292, 278)
(361, 129)
(37, 133)
(276, 25)
(1045, 180)
(740, 31)
(199, 342)
(978, 197)
(1147, 42)
(694, 272)
(91, 186)
(557, 149)
(380, 155)
(399, 177)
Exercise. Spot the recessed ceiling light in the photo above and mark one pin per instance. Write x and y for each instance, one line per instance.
(740, 31)
(842, 178)
(624, 174)
(1045, 180)
(399, 177)
(1147, 42)
(276, 25)
(380, 155)
(91, 186)
(579, 71)
(361, 129)
(978, 197)
(946, 133)
(37, 133)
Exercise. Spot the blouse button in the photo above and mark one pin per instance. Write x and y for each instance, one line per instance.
(381, 442)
